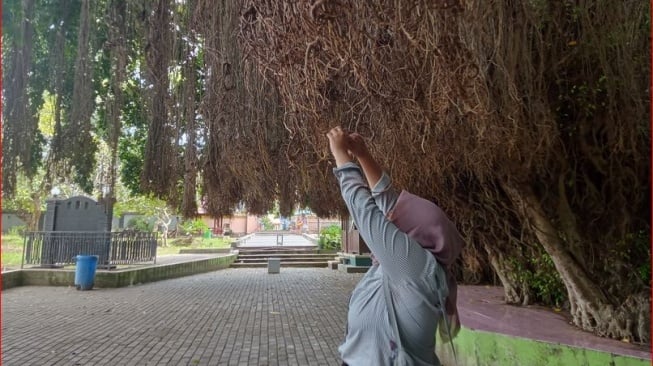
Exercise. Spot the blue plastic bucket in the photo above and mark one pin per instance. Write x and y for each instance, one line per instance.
(85, 271)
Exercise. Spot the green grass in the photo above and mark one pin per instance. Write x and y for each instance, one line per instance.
(176, 244)
(12, 247)
(12, 251)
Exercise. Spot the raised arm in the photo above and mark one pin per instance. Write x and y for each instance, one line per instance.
(371, 168)
(399, 255)
(339, 146)
(379, 182)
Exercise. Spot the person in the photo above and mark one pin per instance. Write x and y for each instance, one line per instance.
(396, 308)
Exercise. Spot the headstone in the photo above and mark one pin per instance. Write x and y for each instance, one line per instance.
(75, 214)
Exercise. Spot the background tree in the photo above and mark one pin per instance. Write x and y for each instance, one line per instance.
(149, 206)
(41, 92)
(116, 50)
(20, 127)
(80, 147)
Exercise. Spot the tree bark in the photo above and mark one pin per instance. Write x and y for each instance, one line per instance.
(515, 291)
(57, 153)
(33, 223)
(189, 109)
(78, 132)
(18, 126)
(115, 102)
(158, 174)
(590, 308)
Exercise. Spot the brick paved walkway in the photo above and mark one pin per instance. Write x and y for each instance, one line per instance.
(229, 317)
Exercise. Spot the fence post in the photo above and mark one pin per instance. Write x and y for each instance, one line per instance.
(108, 241)
(22, 259)
(155, 245)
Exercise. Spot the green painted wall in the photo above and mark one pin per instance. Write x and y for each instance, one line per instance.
(478, 348)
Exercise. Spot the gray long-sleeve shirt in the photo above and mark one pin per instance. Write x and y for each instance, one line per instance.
(415, 278)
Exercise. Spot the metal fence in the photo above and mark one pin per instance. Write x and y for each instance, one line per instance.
(57, 248)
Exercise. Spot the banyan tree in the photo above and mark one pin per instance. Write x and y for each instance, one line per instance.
(526, 121)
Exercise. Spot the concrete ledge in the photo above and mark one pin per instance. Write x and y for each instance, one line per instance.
(205, 251)
(352, 269)
(12, 279)
(310, 237)
(117, 278)
(476, 348)
(359, 260)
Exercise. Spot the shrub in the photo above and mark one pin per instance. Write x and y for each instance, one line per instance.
(190, 227)
(542, 279)
(140, 223)
(330, 237)
(267, 223)
(181, 242)
(17, 230)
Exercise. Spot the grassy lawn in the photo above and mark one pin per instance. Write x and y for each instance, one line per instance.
(176, 244)
(12, 247)
(12, 251)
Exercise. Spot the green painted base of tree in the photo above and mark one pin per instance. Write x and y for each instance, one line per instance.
(478, 348)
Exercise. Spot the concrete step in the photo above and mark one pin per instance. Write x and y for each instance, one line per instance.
(282, 259)
(295, 257)
(283, 251)
(283, 264)
(285, 255)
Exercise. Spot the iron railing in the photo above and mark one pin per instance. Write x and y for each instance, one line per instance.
(57, 248)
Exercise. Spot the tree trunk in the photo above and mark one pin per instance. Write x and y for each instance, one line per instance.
(516, 291)
(158, 174)
(35, 215)
(114, 105)
(18, 125)
(189, 199)
(78, 132)
(58, 78)
(164, 236)
(590, 308)
(164, 221)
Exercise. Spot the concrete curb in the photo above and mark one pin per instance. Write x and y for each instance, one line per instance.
(115, 278)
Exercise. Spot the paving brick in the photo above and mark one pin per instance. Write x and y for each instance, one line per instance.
(228, 317)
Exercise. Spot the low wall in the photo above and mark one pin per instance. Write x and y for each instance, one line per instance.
(12, 279)
(311, 237)
(478, 348)
(205, 251)
(114, 278)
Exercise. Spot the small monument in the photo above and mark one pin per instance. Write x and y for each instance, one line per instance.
(81, 226)
(77, 213)
(83, 221)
